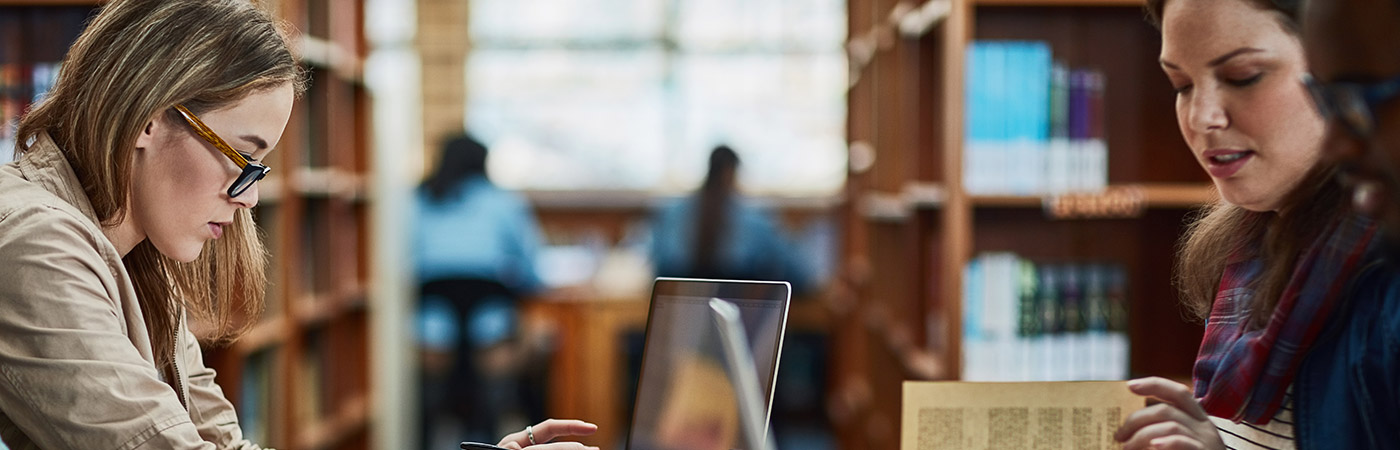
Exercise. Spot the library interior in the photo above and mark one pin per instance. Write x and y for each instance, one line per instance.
(472, 200)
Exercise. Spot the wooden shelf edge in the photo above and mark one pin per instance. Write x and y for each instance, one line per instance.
(1006, 201)
(316, 309)
(885, 206)
(325, 54)
(353, 297)
(352, 416)
(311, 309)
(268, 333)
(1155, 195)
(1182, 195)
(882, 207)
(318, 182)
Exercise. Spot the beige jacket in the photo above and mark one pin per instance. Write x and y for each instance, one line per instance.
(76, 366)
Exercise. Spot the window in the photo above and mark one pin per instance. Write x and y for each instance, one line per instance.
(633, 94)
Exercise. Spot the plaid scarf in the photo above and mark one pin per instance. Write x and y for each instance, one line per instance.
(1241, 373)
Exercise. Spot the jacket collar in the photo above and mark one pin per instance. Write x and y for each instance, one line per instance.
(45, 165)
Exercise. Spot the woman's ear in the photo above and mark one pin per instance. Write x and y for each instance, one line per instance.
(148, 133)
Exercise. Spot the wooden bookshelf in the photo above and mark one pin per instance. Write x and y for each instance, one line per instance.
(911, 227)
(319, 323)
(312, 214)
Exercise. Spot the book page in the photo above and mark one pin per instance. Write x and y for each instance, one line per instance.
(994, 416)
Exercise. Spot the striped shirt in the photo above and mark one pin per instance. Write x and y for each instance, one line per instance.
(1275, 435)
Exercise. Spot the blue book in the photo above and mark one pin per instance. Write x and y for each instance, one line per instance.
(997, 103)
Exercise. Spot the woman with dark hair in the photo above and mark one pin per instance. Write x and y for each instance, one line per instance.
(467, 227)
(1279, 260)
(474, 247)
(716, 234)
(462, 158)
(716, 193)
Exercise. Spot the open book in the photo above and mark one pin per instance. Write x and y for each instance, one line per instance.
(1047, 415)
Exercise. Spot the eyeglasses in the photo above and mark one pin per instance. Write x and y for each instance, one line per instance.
(1353, 103)
(251, 172)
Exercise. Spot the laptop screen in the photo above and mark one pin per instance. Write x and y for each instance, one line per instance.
(685, 399)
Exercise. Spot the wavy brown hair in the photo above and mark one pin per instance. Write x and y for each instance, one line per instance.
(133, 63)
(1223, 231)
(1288, 12)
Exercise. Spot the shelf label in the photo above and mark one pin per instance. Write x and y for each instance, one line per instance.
(1118, 202)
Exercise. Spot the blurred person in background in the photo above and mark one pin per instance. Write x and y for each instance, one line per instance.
(475, 247)
(1354, 55)
(717, 234)
(1354, 52)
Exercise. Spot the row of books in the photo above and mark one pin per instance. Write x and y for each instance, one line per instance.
(32, 42)
(21, 85)
(1024, 321)
(1034, 126)
(257, 403)
(255, 396)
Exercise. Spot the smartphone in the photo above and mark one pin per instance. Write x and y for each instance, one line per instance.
(480, 446)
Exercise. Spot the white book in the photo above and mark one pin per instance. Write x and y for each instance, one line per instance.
(1119, 350)
(1095, 164)
(1057, 163)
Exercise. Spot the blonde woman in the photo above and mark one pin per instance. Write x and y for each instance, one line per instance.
(126, 211)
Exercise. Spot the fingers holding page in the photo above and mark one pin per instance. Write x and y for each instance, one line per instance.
(1170, 392)
(1178, 422)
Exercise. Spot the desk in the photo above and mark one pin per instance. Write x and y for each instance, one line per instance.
(588, 374)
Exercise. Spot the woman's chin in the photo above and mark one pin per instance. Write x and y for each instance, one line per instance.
(185, 253)
(1249, 200)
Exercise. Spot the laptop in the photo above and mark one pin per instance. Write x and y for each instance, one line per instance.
(709, 365)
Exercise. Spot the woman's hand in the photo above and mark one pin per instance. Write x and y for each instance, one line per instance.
(1178, 422)
(547, 431)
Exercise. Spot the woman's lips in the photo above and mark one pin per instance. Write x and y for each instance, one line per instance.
(1225, 163)
(216, 229)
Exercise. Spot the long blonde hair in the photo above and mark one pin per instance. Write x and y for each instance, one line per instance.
(134, 62)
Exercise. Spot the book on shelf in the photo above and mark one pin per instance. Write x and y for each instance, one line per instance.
(267, 215)
(311, 393)
(33, 41)
(1034, 126)
(1024, 321)
(22, 85)
(255, 397)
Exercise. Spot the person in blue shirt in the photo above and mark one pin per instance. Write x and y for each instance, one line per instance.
(474, 246)
(718, 234)
(467, 227)
(1353, 49)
